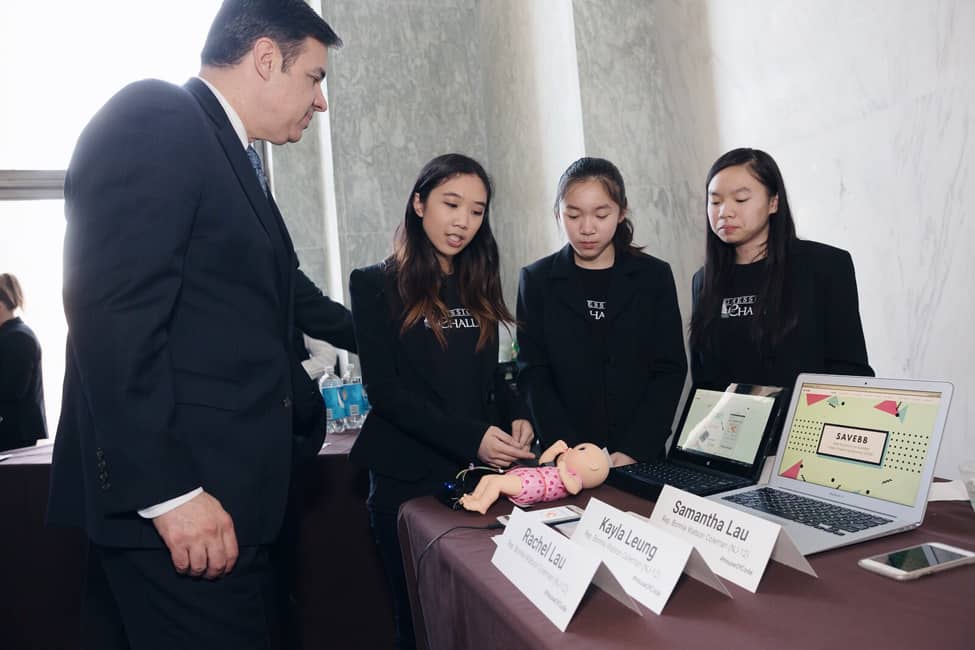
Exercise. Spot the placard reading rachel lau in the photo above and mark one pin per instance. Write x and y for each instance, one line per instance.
(736, 545)
(551, 570)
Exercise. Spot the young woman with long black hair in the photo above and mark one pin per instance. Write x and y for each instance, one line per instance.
(768, 305)
(601, 351)
(426, 322)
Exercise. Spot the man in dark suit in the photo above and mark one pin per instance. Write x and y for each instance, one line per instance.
(182, 292)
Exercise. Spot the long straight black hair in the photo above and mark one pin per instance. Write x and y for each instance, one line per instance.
(777, 312)
(477, 267)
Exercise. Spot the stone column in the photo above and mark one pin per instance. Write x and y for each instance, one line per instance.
(533, 122)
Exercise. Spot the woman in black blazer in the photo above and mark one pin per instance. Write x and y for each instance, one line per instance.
(601, 351)
(768, 305)
(426, 322)
(22, 419)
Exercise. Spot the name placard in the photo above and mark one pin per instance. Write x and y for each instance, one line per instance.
(736, 545)
(551, 570)
(646, 560)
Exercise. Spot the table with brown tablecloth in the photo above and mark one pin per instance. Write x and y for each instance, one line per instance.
(342, 597)
(465, 602)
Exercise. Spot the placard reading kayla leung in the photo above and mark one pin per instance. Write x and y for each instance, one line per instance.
(646, 560)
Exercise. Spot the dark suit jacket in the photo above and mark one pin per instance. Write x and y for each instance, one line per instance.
(22, 418)
(320, 317)
(409, 435)
(180, 286)
(645, 363)
(828, 336)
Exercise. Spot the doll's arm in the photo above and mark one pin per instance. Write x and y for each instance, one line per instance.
(549, 454)
(571, 480)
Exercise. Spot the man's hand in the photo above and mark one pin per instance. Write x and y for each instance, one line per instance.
(200, 537)
(500, 449)
(523, 433)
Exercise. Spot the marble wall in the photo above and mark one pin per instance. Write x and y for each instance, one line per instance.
(534, 123)
(296, 178)
(867, 107)
(405, 88)
(416, 79)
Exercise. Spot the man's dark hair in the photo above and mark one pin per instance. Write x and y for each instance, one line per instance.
(239, 23)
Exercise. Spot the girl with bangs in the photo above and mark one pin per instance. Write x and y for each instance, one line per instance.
(426, 324)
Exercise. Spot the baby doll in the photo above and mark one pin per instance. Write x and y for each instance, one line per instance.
(582, 466)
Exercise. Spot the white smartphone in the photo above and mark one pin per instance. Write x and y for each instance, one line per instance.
(552, 516)
(917, 561)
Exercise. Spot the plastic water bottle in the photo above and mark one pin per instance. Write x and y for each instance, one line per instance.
(366, 406)
(331, 387)
(355, 413)
(346, 380)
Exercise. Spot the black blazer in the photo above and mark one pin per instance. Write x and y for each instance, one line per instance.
(645, 365)
(828, 336)
(180, 292)
(22, 419)
(408, 435)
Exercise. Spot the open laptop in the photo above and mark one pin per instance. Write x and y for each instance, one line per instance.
(721, 445)
(855, 460)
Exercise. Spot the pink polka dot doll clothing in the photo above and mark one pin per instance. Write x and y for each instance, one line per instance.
(538, 484)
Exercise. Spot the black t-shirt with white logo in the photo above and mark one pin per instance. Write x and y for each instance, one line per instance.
(735, 326)
(595, 288)
(595, 291)
(455, 365)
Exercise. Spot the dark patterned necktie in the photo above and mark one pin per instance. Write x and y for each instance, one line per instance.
(258, 167)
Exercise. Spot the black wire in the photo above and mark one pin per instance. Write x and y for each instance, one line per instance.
(419, 559)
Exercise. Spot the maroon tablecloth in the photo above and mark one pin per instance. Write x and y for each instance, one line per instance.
(342, 597)
(467, 603)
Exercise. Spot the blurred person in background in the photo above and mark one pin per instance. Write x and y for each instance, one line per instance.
(22, 419)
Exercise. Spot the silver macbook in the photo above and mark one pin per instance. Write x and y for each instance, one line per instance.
(855, 460)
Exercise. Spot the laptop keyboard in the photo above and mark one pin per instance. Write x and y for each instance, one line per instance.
(682, 477)
(811, 512)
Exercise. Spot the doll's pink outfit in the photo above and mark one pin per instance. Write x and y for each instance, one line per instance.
(538, 484)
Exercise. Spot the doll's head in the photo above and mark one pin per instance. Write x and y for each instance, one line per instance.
(587, 461)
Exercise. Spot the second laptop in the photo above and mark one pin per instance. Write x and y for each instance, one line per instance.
(722, 441)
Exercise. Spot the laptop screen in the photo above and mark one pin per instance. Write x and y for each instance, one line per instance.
(867, 441)
(726, 425)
